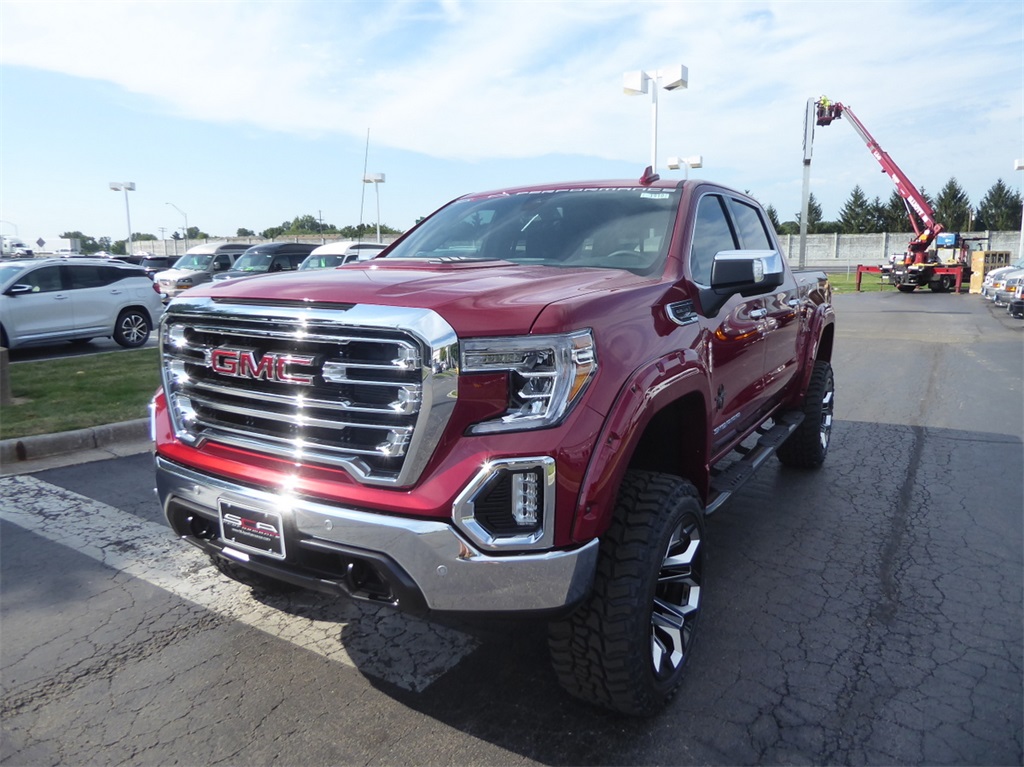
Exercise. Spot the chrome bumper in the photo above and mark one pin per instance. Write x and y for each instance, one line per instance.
(448, 572)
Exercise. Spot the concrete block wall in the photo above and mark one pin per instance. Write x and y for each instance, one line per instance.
(824, 251)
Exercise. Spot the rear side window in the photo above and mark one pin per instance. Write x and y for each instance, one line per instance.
(751, 227)
(711, 234)
(92, 276)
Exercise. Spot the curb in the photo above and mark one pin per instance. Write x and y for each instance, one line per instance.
(29, 448)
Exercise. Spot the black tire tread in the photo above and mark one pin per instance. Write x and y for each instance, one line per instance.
(598, 652)
(803, 448)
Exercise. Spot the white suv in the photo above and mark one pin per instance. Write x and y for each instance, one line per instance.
(46, 300)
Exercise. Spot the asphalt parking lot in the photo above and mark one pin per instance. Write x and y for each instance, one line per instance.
(869, 613)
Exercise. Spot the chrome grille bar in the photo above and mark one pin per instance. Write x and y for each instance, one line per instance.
(368, 389)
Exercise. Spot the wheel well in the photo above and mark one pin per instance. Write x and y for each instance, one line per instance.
(825, 346)
(141, 310)
(675, 441)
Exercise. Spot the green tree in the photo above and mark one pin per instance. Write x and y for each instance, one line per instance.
(245, 232)
(275, 231)
(953, 208)
(999, 210)
(858, 215)
(86, 243)
(773, 218)
(893, 215)
(813, 215)
(365, 231)
(307, 224)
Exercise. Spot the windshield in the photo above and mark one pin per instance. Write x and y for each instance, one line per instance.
(196, 262)
(323, 262)
(615, 228)
(253, 262)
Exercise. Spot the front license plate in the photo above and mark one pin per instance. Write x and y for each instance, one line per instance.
(250, 529)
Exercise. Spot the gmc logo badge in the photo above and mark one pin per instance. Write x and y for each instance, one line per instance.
(270, 367)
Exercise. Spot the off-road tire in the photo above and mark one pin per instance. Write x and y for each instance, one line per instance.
(132, 328)
(626, 646)
(906, 288)
(807, 447)
(251, 579)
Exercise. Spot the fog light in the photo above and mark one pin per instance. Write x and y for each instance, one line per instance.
(524, 499)
(509, 505)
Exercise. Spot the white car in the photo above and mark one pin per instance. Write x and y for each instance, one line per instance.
(339, 253)
(47, 300)
(994, 280)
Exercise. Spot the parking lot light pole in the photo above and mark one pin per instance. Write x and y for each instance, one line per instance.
(376, 179)
(640, 82)
(675, 163)
(1019, 165)
(127, 186)
(185, 216)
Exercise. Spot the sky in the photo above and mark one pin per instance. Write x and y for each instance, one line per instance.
(243, 114)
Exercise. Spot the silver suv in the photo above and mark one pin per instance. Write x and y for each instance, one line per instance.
(46, 300)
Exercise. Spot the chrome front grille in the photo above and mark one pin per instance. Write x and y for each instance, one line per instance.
(365, 388)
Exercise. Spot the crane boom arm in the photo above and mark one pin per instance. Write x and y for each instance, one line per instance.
(925, 226)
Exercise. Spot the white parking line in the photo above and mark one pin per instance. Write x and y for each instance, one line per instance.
(381, 642)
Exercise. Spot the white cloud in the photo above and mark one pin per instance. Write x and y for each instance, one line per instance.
(938, 83)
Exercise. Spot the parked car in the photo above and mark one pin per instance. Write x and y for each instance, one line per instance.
(1015, 308)
(1005, 286)
(267, 258)
(988, 285)
(154, 264)
(198, 265)
(340, 253)
(136, 259)
(45, 300)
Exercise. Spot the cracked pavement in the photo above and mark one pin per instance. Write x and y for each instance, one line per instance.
(869, 613)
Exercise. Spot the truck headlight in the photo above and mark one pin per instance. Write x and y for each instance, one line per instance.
(547, 376)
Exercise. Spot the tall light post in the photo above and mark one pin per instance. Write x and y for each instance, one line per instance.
(376, 179)
(640, 82)
(186, 221)
(126, 186)
(1019, 165)
(696, 161)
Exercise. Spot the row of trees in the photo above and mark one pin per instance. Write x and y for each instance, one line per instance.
(307, 225)
(299, 226)
(999, 210)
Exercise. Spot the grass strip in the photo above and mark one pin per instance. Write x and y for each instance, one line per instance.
(52, 396)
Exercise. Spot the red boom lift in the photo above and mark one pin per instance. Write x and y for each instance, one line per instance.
(919, 266)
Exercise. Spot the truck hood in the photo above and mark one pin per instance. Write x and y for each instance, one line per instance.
(475, 298)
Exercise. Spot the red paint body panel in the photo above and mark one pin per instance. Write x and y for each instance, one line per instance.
(751, 357)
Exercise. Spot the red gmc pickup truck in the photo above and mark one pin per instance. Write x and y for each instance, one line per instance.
(526, 405)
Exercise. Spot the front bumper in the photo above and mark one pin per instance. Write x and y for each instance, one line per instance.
(416, 565)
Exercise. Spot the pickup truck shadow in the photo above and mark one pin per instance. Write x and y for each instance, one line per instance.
(818, 583)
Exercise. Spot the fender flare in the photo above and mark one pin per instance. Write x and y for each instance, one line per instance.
(648, 391)
(822, 320)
